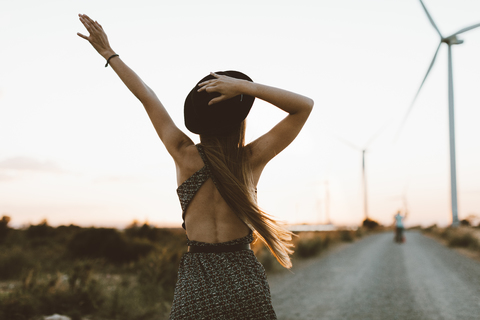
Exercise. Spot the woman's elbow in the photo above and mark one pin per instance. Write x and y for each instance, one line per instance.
(309, 105)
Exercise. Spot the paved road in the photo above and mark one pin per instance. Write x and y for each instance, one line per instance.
(375, 278)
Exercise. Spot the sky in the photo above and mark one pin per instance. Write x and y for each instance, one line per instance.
(77, 147)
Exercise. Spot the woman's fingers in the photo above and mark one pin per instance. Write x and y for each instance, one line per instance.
(215, 100)
(203, 87)
(86, 24)
(209, 88)
(221, 84)
(82, 36)
(89, 23)
(88, 18)
(204, 83)
(96, 26)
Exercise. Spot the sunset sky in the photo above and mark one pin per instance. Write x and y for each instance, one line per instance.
(77, 147)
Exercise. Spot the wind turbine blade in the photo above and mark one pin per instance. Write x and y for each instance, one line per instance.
(466, 29)
(431, 20)
(418, 91)
(385, 126)
(348, 143)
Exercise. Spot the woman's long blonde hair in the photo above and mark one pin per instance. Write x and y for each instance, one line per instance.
(230, 167)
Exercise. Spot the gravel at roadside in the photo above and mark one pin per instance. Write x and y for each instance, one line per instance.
(374, 278)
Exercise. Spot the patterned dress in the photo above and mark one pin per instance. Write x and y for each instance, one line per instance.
(225, 285)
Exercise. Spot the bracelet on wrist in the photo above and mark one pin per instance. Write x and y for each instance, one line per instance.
(112, 56)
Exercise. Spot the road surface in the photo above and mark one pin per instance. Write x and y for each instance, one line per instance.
(375, 278)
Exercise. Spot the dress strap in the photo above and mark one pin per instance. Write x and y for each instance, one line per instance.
(202, 153)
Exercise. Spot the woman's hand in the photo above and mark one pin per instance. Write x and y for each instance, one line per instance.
(97, 38)
(228, 87)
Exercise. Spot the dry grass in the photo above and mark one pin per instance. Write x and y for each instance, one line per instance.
(465, 239)
(307, 245)
(45, 270)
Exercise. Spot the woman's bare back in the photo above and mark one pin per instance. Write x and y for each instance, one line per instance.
(208, 217)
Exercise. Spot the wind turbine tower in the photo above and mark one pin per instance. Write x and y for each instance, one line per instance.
(364, 178)
(450, 41)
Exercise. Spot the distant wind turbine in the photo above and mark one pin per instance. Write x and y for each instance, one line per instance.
(450, 40)
(364, 178)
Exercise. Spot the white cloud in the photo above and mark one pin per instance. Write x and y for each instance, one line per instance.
(120, 179)
(5, 177)
(22, 163)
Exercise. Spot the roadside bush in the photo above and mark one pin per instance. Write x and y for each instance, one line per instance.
(465, 223)
(463, 240)
(266, 258)
(131, 300)
(41, 230)
(108, 244)
(359, 232)
(370, 224)
(86, 300)
(346, 236)
(160, 268)
(4, 229)
(430, 228)
(148, 232)
(306, 248)
(46, 295)
(13, 263)
(19, 306)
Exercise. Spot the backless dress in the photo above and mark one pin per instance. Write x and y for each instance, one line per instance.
(218, 285)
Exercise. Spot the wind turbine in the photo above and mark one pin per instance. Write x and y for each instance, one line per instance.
(364, 150)
(364, 178)
(450, 40)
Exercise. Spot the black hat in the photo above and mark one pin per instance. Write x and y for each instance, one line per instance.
(221, 118)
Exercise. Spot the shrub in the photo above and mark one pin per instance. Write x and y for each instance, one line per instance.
(19, 306)
(108, 244)
(431, 228)
(13, 263)
(309, 247)
(41, 230)
(359, 232)
(346, 236)
(85, 300)
(131, 300)
(148, 232)
(465, 223)
(464, 240)
(160, 268)
(370, 224)
(266, 258)
(4, 229)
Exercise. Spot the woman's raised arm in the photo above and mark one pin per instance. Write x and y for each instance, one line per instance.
(173, 138)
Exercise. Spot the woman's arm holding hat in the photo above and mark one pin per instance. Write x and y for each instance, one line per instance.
(279, 137)
(173, 138)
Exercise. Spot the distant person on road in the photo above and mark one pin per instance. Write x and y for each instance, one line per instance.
(219, 277)
(399, 227)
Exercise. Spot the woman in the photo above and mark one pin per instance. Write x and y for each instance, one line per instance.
(219, 278)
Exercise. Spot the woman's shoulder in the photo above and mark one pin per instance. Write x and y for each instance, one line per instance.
(190, 158)
(253, 155)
